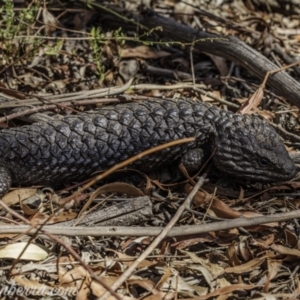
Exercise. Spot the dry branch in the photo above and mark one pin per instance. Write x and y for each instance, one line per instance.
(153, 231)
(228, 47)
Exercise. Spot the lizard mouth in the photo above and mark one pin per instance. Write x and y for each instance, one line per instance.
(271, 170)
(268, 177)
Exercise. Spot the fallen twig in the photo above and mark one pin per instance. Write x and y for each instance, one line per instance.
(153, 231)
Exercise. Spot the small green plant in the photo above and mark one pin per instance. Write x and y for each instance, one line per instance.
(120, 36)
(97, 43)
(55, 49)
(13, 25)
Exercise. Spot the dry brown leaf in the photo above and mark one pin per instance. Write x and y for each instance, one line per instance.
(266, 242)
(285, 250)
(232, 255)
(40, 218)
(193, 240)
(81, 280)
(160, 185)
(209, 279)
(130, 244)
(15, 196)
(181, 61)
(201, 197)
(291, 238)
(142, 52)
(34, 252)
(265, 296)
(147, 284)
(63, 217)
(274, 267)
(240, 100)
(214, 269)
(10, 92)
(247, 267)
(222, 210)
(49, 21)
(129, 260)
(28, 210)
(184, 10)
(79, 198)
(220, 63)
(245, 251)
(266, 114)
(38, 289)
(223, 297)
(253, 102)
(161, 296)
(81, 18)
(222, 282)
(214, 93)
(164, 278)
(225, 290)
(226, 236)
(178, 284)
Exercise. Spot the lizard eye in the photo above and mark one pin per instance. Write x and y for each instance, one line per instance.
(263, 161)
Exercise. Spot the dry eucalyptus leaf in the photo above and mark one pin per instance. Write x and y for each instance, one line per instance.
(142, 52)
(33, 252)
(50, 21)
(17, 195)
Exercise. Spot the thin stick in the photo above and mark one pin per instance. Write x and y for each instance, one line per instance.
(152, 231)
(105, 92)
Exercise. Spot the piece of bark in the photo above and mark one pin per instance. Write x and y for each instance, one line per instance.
(126, 213)
(228, 47)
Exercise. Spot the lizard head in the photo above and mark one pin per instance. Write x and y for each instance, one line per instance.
(249, 148)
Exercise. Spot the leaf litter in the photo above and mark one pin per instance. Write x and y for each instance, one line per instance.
(63, 50)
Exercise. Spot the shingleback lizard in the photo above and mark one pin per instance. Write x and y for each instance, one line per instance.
(76, 146)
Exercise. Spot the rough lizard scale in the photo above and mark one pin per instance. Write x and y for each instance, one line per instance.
(76, 146)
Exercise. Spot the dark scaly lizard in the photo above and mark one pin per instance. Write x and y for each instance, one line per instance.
(76, 146)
